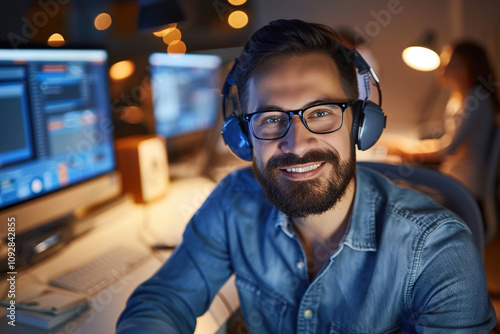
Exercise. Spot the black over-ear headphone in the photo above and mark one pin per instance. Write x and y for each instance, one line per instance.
(368, 118)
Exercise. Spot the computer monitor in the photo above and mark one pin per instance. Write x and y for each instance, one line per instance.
(56, 135)
(186, 100)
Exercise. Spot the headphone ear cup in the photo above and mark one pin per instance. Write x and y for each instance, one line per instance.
(371, 123)
(235, 136)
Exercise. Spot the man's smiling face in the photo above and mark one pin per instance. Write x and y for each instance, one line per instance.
(302, 173)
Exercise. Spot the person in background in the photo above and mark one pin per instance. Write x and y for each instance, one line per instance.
(469, 119)
(317, 244)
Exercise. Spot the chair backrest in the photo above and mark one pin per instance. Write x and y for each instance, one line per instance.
(445, 190)
(490, 199)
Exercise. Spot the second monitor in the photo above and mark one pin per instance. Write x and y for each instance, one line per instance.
(185, 92)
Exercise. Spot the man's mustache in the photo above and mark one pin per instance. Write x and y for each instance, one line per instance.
(288, 159)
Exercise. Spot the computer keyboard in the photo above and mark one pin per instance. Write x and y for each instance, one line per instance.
(101, 271)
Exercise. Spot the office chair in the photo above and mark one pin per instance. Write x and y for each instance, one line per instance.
(489, 199)
(443, 189)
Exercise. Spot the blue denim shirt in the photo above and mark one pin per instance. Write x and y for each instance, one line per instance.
(406, 265)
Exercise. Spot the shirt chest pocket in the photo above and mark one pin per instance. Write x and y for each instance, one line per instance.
(263, 309)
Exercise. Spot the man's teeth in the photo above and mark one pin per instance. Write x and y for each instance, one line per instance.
(303, 169)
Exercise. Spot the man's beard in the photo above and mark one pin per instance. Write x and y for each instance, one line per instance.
(302, 198)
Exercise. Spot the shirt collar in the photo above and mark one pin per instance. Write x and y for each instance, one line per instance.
(362, 231)
(361, 235)
(284, 223)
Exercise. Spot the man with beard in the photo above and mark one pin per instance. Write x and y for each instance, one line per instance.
(316, 244)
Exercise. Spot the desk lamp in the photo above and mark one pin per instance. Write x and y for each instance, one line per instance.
(421, 55)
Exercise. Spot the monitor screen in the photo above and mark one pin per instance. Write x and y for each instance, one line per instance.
(55, 126)
(185, 92)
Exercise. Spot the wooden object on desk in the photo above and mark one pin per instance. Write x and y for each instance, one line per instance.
(142, 161)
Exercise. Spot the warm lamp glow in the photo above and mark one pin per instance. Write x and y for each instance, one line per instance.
(237, 19)
(420, 58)
(102, 21)
(56, 40)
(176, 49)
(236, 2)
(121, 70)
(172, 36)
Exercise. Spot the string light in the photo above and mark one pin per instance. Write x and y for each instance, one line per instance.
(172, 36)
(237, 2)
(121, 70)
(176, 49)
(237, 19)
(102, 21)
(56, 40)
(163, 32)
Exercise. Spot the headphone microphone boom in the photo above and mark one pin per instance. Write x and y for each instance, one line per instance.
(368, 118)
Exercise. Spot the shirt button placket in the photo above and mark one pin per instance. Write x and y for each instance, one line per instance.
(300, 265)
(307, 321)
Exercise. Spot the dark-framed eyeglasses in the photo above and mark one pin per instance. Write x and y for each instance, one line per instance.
(319, 118)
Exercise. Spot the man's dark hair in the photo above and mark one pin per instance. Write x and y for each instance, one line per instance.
(294, 37)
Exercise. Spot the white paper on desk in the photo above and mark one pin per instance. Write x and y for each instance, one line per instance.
(49, 300)
(48, 320)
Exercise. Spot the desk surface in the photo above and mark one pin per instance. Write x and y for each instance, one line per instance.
(135, 226)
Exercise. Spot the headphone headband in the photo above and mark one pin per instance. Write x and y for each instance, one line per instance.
(229, 82)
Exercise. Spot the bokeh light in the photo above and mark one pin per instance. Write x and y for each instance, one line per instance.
(102, 21)
(172, 36)
(56, 40)
(236, 2)
(121, 70)
(132, 114)
(176, 49)
(163, 32)
(237, 19)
